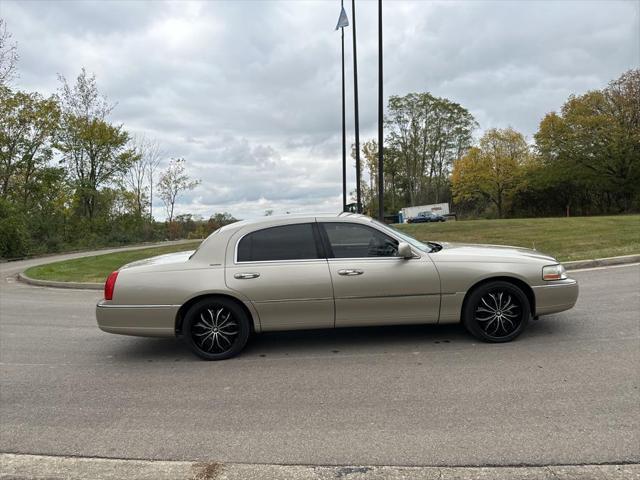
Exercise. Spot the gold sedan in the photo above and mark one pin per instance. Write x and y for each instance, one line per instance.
(328, 271)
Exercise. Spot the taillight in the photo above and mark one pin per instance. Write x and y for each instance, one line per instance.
(109, 285)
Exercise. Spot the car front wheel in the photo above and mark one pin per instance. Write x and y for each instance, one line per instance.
(216, 328)
(496, 312)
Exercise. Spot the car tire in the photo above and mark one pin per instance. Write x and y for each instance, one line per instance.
(216, 328)
(496, 312)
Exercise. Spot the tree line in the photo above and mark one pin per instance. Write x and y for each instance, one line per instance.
(583, 160)
(71, 178)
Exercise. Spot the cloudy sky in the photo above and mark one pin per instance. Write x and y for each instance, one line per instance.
(249, 92)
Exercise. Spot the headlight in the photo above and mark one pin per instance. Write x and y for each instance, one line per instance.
(554, 272)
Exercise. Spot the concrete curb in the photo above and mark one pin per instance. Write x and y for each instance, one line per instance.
(100, 250)
(575, 265)
(84, 285)
(602, 262)
(18, 466)
(51, 283)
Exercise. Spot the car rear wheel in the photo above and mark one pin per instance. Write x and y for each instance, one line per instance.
(496, 312)
(216, 328)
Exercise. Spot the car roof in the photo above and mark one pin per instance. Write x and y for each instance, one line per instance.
(273, 219)
(210, 249)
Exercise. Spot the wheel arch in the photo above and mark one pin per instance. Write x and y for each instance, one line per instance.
(187, 305)
(521, 284)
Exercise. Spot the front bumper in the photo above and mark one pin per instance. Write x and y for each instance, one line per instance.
(556, 296)
(138, 320)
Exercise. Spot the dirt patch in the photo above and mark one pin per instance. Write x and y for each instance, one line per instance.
(206, 470)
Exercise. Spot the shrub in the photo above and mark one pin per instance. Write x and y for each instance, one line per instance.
(14, 238)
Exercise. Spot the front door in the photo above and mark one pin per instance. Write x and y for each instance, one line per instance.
(372, 285)
(282, 271)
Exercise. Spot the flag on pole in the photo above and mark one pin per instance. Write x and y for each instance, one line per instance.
(343, 21)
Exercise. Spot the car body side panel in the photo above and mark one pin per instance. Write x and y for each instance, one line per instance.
(458, 277)
(146, 299)
(451, 307)
(389, 291)
(289, 294)
(459, 273)
(168, 287)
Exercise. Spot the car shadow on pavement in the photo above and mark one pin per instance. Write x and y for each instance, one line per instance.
(329, 342)
(361, 339)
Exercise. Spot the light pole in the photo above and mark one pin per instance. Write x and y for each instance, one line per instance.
(343, 22)
(380, 120)
(355, 102)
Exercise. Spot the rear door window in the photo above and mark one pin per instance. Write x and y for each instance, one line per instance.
(287, 242)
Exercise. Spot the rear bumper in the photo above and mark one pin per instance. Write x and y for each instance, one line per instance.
(556, 297)
(138, 320)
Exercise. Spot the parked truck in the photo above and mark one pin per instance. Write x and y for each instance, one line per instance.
(441, 209)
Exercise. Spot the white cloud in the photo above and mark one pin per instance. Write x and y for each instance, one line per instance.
(249, 92)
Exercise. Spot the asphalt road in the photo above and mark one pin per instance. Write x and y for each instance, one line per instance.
(566, 392)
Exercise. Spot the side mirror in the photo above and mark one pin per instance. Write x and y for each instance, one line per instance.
(404, 250)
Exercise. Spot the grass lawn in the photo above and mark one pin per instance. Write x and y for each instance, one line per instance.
(574, 238)
(567, 239)
(96, 269)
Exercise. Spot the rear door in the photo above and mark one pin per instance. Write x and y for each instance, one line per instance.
(284, 273)
(372, 285)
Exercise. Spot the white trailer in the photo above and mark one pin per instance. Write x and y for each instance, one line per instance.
(439, 208)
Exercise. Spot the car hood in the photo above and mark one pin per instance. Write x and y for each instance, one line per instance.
(482, 252)
(167, 259)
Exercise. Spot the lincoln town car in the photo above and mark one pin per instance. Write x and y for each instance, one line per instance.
(329, 271)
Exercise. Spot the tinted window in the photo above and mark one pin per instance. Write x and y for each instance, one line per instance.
(289, 242)
(351, 240)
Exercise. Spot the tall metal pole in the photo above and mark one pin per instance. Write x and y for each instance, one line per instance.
(355, 102)
(380, 120)
(344, 131)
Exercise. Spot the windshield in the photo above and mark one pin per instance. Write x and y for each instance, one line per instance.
(407, 238)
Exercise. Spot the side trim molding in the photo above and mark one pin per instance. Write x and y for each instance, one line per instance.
(354, 297)
(104, 305)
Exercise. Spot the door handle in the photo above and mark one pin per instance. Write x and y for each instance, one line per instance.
(246, 276)
(350, 272)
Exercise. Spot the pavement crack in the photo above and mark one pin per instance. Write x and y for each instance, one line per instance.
(550, 470)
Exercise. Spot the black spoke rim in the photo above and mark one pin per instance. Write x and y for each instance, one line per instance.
(215, 329)
(498, 313)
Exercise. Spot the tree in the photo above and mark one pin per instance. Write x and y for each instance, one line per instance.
(173, 181)
(426, 134)
(8, 55)
(491, 170)
(595, 141)
(218, 220)
(145, 160)
(392, 178)
(152, 155)
(14, 238)
(94, 151)
(28, 123)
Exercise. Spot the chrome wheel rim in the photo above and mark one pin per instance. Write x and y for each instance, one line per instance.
(499, 313)
(216, 330)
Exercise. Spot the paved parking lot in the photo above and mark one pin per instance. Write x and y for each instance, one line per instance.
(566, 392)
